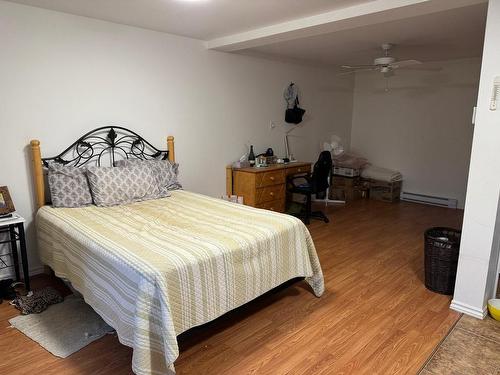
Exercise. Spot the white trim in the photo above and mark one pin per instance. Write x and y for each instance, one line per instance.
(429, 199)
(36, 270)
(468, 309)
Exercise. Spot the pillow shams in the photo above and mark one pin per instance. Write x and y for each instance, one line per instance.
(121, 185)
(165, 172)
(68, 186)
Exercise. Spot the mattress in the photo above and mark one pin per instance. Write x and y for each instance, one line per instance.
(156, 268)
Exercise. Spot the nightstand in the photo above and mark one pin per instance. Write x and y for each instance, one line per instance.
(14, 228)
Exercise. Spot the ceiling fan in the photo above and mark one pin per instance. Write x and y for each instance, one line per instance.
(385, 64)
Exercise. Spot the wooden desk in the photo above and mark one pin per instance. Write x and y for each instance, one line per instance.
(263, 187)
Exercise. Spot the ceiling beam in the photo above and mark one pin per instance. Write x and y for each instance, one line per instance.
(364, 14)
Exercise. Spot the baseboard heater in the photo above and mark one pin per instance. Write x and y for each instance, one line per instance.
(429, 199)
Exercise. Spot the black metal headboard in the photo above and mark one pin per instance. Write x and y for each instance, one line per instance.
(114, 142)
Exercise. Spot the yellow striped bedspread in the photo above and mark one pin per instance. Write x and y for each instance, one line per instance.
(156, 268)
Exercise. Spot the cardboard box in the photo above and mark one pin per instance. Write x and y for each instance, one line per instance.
(345, 189)
(341, 181)
(345, 194)
(385, 191)
(345, 171)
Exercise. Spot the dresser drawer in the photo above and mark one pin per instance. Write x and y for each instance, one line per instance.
(276, 206)
(270, 178)
(270, 193)
(296, 170)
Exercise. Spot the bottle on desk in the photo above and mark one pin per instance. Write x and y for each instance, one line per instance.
(251, 157)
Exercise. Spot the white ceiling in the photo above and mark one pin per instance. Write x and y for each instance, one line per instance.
(452, 34)
(200, 19)
(426, 30)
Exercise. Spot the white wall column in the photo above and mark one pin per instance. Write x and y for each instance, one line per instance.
(478, 262)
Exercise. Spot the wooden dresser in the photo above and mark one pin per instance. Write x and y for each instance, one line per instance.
(263, 187)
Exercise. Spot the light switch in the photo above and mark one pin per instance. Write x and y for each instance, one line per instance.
(495, 96)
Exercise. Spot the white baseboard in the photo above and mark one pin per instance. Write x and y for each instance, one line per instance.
(9, 272)
(469, 310)
(36, 270)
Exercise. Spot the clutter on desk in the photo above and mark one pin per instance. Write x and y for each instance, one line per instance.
(251, 156)
(266, 158)
(260, 161)
(242, 163)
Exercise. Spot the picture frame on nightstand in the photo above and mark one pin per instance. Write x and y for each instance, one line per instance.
(6, 204)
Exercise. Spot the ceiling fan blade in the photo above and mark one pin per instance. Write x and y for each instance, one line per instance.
(404, 63)
(424, 67)
(358, 66)
(357, 70)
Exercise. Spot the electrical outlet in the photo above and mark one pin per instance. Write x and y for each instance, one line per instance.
(272, 125)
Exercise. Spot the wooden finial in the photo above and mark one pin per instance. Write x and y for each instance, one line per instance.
(171, 148)
(38, 173)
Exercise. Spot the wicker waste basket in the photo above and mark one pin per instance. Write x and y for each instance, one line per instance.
(441, 259)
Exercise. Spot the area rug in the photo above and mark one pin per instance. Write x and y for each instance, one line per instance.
(64, 328)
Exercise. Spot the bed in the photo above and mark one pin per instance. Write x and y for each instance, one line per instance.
(156, 268)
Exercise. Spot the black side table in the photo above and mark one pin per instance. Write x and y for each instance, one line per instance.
(14, 227)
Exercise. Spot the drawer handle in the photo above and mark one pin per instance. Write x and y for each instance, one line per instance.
(271, 178)
(271, 208)
(299, 170)
(271, 194)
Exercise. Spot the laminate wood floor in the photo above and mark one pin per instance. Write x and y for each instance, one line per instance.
(376, 317)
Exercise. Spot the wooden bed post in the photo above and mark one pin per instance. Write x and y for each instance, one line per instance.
(171, 150)
(38, 173)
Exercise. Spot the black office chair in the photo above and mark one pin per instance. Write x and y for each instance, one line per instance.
(308, 184)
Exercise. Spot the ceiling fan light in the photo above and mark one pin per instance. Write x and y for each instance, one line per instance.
(386, 60)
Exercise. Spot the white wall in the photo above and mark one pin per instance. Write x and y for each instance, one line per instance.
(63, 75)
(421, 127)
(479, 250)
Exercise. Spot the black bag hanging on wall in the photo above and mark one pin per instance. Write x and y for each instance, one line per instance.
(294, 115)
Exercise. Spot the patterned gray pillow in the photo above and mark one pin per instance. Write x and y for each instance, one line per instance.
(121, 185)
(166, 173)
(68, 186)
